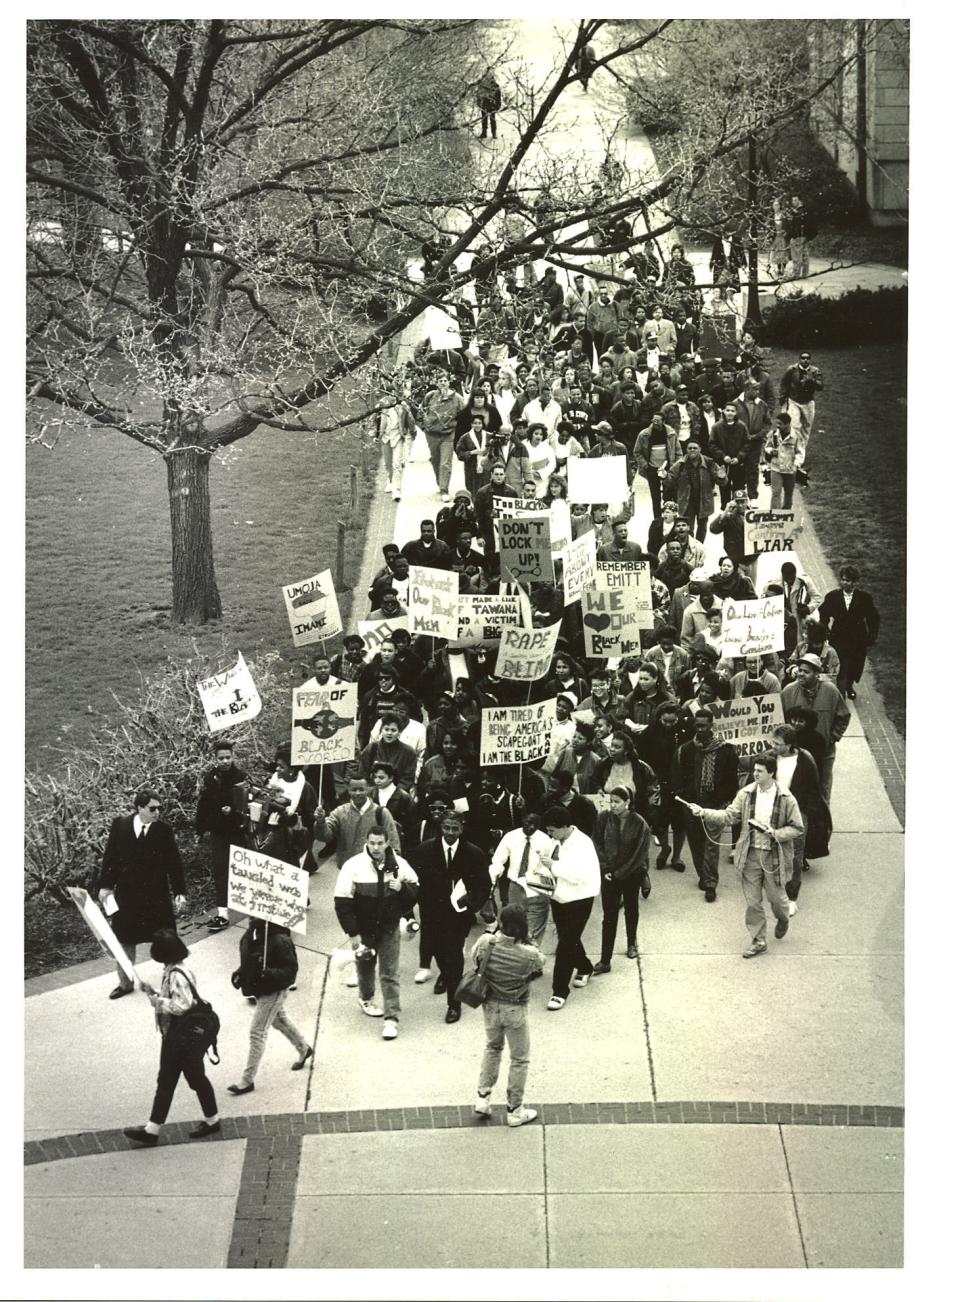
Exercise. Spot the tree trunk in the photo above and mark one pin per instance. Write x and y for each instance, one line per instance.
(195, 596)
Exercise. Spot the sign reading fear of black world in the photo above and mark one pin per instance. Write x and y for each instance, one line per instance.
(324, 727)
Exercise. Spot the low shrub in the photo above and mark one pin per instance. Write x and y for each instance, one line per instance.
(162, 740)
(861, 316)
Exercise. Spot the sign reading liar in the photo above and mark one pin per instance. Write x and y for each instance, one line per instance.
(579, 566)
(313, 609)
(752, 628)
(230, 697)
(747, 722)
(770, 531)
(516, 734)
(483, 618)
(525, 548)
(324, 727)
(525, 653)
(268, 888)
(433, 601)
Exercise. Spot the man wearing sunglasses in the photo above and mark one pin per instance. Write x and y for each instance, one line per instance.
(141, 866)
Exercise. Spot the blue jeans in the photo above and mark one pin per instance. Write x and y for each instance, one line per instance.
(269, 1012)
(505, 1022)
(387, 958)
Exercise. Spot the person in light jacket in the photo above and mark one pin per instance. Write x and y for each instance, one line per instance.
(769, 820)
(622, 841)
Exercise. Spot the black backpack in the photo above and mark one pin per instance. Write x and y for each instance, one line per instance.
(196, 1030)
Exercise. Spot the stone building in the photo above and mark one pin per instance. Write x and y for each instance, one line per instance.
(863, 118)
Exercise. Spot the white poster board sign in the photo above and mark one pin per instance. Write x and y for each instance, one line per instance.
(268, 888)
(432, 608)
(516, 734)
(324, 724)
(525, 653)
(92, 915)
(579, 566)
(230, 697)
(313, 609)
(597, 479)
(377, 631)
(747, 723)
(752, 628)
(632, 577)
(482, 618)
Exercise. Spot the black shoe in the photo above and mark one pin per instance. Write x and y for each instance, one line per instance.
(205, 1129)
(780, 930)
(700, 886)
(240, 1089)
(601, 967)
(452, 1014)
(645, 886)
(217, 923)
(119, 991)
(302, 1061)
(662, 858)
(851, 693)
(140, 1135)
(710, 895)
(440, 985)
(678, 867)
(631, 951)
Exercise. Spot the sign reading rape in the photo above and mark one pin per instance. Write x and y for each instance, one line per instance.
(525, 548)
(752, 628)
(324, 729)
(230, 697)
(433, 601)
(268, 888)
(483, 618)
(516, 734)
(313, 609)
(525, 653)
(771, 531)
(748, 722)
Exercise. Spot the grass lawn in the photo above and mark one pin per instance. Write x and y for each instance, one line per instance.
(858, 486)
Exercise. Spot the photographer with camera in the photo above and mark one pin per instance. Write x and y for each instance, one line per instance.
(374, 890)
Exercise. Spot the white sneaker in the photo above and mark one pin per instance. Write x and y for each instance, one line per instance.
(520, 1116)
(482, 1106)
(370, 1008)
(423, 974)
(791, 908)
(580, 980)
(390, 1029)
(444, 497)
(352, 982)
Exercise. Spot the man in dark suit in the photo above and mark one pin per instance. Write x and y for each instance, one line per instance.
(219, 813)
(444, 864)
(141, 865)
(852, 622)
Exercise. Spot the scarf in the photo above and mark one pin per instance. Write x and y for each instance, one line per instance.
(707, 756)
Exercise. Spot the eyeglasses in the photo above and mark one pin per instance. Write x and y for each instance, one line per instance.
(154, 809)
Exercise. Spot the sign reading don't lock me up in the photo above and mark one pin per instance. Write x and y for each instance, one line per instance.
(268, 888)
(525, 552)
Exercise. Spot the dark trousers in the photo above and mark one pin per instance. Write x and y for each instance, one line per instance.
(698, 525)
(751, 471)
(736, 478)
(173, 1064)
(656, 494)
(612, 895)
(799, 848)
(670, 818)
(570, 921)
(445, 935)
(220, 866)
(851, 669)
(706, 852)
(487, 116)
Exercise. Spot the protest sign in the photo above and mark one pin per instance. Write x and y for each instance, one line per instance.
(230, 697)
(509, 508)
(313, 609)
(771, 531)
(632, 578)
(525, 548)
(481, 619)
(516, 734)
(579, 566)
(752, 628)
(377, 631)
(433, 601)
(597, 479)
(268, 888)
(525, 653)
(324, 725)
(747, 722)
(92, 915)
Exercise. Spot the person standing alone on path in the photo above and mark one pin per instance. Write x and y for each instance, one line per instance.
(141, 864)
(769, 819)
(512, 962)
(489, 100)
(219, 814)
(851, 622)
(268, 969)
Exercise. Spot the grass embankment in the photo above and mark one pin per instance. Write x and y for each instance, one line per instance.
(857, 496)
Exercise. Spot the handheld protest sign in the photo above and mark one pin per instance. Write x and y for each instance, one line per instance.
(324, 724)
(432, 606)
(526, 653)
(596, 480)
(747, 722)
(263, 887)
(313, 609)
(771, 531)
(525, 552)
(752, 628)
(618, 609)
(230, 697)
(481, 618)
(377, 631)
(92, 915)
(579, 566)
(516, 734)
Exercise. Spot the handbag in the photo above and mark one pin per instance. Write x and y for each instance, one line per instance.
(472, 989)
(196, 1030)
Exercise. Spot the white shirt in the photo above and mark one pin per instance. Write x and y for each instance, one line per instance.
(311, 685)
(786, 767)
(765, 799)
(509, 854)
(139, 825)
(449, 851)
(383, 794)
(576, 868)
(847, 598)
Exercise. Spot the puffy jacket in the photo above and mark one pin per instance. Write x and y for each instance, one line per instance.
(281, 967)
(364, 901)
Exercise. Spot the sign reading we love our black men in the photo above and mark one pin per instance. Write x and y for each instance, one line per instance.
(617, 608)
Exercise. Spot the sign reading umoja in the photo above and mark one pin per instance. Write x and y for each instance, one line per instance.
(230, 697)
(324, 729)
(268, 888)
(313, 609)
(516, 734)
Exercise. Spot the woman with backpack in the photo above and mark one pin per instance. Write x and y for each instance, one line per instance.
(185, 1040)
(268, 968)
